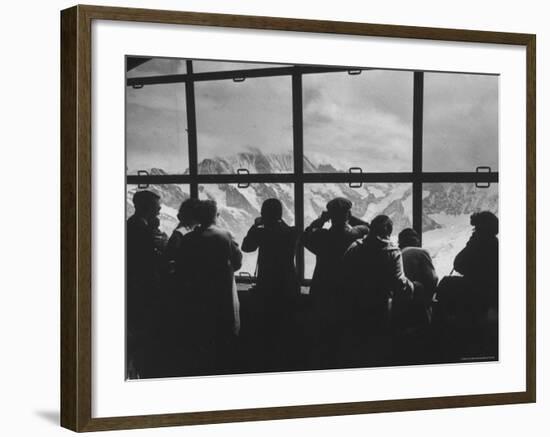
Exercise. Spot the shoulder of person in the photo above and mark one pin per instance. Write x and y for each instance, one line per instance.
(413, 250)
(221, 232)
(181, 232)
(391, 246)
(135, 222)
(362, 229)
(317, 231)
(355, 247)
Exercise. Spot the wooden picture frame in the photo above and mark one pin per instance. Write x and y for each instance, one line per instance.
(76, 217)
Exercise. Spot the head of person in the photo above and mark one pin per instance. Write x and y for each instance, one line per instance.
(187, 214)
(207, 213)
(381, 226)
(146, 204)
(408, 237)
(272, 211)
(339, 211)
(485, 223)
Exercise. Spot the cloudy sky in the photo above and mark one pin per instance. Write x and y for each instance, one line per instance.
(349, 120)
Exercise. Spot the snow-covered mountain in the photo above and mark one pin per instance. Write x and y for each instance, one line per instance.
(446, 207)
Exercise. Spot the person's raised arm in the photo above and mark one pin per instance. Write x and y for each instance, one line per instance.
(354, 221)
(312, 234)
(252, 240)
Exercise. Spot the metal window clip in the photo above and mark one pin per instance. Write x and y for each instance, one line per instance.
(354, 72)
(137, 86)
(238, 79)
(243, 171)
(245, 277)
(483, 169)
(143, 173)
(355, 170)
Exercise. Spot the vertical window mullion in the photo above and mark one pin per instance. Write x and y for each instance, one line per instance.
(298, 149)
(192, 131)
(418, 108)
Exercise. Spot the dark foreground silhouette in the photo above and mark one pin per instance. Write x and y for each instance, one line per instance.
(370, 302)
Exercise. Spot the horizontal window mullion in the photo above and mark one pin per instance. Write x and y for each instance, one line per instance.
(159, 179)
(457, 177)
(225, 75)
(311, 178)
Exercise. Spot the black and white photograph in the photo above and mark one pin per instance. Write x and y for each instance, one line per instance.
(291, 218)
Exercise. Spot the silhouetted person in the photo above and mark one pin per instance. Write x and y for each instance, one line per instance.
(174, 297)
(412, 319)
(277, 285)
(478, 261)
(417, 262)
(205, 266)
(187, 222)
(142, 281)
(160, 239)
(419, 268)
(276, 245)
(329, 246)
(478, 306)
(377, 282)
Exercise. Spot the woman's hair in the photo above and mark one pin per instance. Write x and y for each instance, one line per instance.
(272, 210)
(485, 222)
(381, 226)
(188, 210)
(207, 212)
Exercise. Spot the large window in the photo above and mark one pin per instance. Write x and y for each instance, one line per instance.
(446, 227)
(238, 129)
(419, 147)
(358, 120)
(156, 129)
(460, 122)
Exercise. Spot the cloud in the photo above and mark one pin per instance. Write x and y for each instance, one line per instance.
(363, 120)
(460, 121)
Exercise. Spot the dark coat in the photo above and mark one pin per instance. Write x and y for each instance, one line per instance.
(141, 274)
(329, 246)
(478, 263)
(205, 266)
(276, 245)
(375, 278)
(419, 267)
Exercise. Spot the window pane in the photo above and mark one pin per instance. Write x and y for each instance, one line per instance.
(460, 122)
(370, 200)
(171, 197)
(238, 207)
(157, 67)
(203, 66)
(360, 120)
(156, 129)
(245, 125)
(446, 212)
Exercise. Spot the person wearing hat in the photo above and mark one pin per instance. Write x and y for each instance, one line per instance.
(327, 294)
